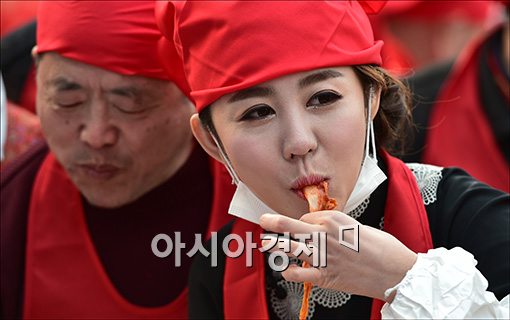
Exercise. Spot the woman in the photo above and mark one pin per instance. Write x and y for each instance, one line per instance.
(289, 95)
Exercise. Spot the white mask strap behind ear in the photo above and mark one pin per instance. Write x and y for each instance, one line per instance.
(228, 165)
(370, 126)
(370, 175)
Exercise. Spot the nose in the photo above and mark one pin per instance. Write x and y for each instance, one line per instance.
(299, 139)
(97, 131)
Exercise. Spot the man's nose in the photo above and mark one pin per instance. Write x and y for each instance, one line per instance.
(97, 130)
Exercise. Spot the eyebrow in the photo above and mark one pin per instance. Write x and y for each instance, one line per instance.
(318, 77)
(251, 93)
(63, 84)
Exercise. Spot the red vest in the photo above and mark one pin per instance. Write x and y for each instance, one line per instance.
(404, 217)
(459, 132)
(64, 277)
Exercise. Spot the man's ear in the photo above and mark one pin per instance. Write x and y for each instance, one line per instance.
(204, 138)
(35, 55)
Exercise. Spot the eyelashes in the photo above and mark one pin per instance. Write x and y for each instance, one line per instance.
(258, 112)
(323, 98)
(318, 100)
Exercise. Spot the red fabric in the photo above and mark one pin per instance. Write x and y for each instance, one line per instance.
(167, 52)
(64, 277)
(372, 7)
(244, 289)
(14, 14)
(232, 45)
(404, 217)
(120, 36)
(223, 189)
(459, 132)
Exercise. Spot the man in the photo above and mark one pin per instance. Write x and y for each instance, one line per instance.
(462, 113)
(78, 219)
(417, 34)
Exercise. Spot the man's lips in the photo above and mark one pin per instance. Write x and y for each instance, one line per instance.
(100, 172)
(309, 180)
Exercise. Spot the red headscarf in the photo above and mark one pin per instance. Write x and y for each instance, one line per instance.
(119, 36)
(232, 45)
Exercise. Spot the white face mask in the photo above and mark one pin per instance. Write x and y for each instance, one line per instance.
(246, 205)
(370, 175)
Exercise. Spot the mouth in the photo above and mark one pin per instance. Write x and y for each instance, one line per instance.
(310, 180)
(99, 171)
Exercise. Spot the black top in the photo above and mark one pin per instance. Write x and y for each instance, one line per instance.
(467, 214)
(16, 59)
(122, 236)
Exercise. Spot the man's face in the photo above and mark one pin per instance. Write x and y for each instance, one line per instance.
(117, 136)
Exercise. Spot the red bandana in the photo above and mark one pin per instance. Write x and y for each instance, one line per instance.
(119, 36)
(232, 45)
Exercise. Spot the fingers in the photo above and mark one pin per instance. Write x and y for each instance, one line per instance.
(292, 248)
(300, 274)
(325, 218)
(281, 224)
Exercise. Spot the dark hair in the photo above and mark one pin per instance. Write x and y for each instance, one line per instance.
(393, 122)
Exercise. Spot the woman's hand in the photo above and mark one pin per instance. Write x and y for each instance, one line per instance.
(381, 262)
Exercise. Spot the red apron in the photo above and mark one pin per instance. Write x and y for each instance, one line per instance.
(459, 132)
(404, 217)
(64, 277)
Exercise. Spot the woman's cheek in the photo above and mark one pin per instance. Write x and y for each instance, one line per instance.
(250, 155)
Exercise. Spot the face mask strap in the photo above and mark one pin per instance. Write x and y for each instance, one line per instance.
(228, 165)
(370, 127)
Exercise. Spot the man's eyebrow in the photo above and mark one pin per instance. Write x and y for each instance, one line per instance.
(63, 84)
(318, 77)
(251, 93)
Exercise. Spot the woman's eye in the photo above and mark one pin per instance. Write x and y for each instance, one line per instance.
(323, 98)
(257, 113)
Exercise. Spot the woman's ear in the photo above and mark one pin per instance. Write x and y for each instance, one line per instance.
(376, 99)
(204, 137)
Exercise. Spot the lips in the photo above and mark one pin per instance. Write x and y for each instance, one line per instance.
(99, 172)
(309, 180)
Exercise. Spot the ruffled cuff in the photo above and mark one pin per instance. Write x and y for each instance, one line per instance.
(444, 284)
